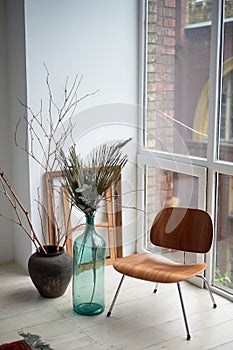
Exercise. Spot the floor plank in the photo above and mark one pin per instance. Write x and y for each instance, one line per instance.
(140, 318)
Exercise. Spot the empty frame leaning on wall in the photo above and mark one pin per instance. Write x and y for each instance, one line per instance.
(58, 210)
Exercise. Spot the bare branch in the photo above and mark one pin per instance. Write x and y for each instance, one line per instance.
(67, 227)
(76, 102)
(43, 131)
(34, 237)
(39, 207)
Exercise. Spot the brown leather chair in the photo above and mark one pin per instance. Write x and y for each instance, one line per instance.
(184, 229)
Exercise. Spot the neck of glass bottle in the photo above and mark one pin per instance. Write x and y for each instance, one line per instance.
(90, 220)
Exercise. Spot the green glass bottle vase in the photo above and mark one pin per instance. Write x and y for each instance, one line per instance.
(89, 253)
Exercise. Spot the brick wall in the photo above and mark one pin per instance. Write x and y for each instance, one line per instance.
(202, 11)
(160, 98)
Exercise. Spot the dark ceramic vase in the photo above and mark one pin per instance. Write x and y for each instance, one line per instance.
(50, 273)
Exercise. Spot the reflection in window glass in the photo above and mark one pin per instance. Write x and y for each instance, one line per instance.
(226, 116)
(223, 272)
(167, 188)
(178, 55)
(226, 131)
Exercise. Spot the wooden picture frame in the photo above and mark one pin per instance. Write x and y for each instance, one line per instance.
(113, 213)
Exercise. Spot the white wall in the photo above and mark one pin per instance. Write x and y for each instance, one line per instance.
(6, 228)
(17, 91)
(98, 39)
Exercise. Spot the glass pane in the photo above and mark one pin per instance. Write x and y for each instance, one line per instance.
(167, 188)
(226, 118)
(224, 245)
(178, 55)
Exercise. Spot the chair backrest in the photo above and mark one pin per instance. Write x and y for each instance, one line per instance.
(185, 229)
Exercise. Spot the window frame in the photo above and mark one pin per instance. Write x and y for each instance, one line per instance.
(212, 164)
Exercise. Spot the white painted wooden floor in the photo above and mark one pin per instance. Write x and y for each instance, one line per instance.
(140, 319)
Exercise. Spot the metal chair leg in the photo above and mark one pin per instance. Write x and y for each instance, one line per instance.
(115, 296)
(209, 290)
(156, 288)
(184, 313)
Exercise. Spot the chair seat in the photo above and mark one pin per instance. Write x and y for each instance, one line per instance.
(156, 268)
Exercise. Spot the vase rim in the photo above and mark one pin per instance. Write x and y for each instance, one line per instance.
(51, 250)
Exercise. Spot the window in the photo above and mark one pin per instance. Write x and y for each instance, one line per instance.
(188, 118)
(226, 132)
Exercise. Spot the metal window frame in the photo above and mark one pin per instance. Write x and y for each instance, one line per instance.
(212, 164)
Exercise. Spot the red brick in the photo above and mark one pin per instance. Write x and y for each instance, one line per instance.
(169, 22)
(168, 12)
(170, 3)
(169, 41)
(171, 32)
(159, 87)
